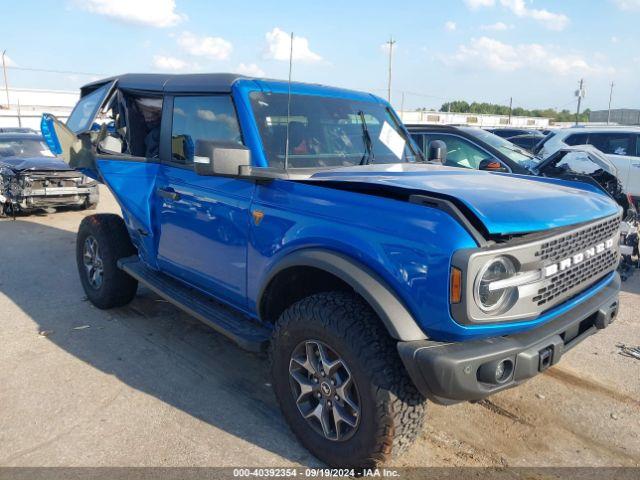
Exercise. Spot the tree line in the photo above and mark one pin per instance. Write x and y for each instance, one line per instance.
(461, 106)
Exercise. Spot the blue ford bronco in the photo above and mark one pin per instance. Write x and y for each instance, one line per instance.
(301, 220)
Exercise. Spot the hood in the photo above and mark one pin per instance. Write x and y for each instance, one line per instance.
(34, 163)
(506, 204)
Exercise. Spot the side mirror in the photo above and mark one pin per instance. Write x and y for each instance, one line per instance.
(491, 165)
(220, 158)
(437, 151)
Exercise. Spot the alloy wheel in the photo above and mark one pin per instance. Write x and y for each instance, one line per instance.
(93, 262)
(324, 391)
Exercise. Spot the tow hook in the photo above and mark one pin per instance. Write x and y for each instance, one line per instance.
(606, 316)
(546, 358)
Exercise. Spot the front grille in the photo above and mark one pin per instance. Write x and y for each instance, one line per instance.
(53, 182)
(572, 243)
(587, 272)
(583, 274)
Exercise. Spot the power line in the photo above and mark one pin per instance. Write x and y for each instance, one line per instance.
(62, 72)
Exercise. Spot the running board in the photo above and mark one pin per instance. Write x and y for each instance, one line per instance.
(244, 331)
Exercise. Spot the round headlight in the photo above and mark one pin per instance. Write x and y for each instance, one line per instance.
(490, 300)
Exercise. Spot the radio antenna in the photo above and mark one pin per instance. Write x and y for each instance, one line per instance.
(286, 145)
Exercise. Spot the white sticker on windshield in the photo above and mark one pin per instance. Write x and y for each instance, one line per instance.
(46, 153)
(392, 140)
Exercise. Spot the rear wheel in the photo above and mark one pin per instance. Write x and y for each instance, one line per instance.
(340, 382)
(102, 241)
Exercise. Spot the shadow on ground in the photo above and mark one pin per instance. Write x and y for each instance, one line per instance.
(149, 345)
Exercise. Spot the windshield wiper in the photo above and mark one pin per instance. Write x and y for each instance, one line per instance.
(368, 144)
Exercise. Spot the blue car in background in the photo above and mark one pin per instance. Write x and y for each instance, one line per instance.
(303, 220)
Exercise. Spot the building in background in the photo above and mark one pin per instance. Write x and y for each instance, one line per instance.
(472, 119)
(620, 116)
(24, 107)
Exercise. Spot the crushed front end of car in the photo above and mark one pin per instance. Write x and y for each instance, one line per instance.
(28, 190)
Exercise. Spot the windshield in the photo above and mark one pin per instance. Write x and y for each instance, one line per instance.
(513, 152)
(24, 148)
(86, 109)
(328, 131)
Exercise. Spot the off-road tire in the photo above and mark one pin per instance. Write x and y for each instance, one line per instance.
(117, 288)
(392, 410)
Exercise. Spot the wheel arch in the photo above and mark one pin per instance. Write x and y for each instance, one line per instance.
(347, 274)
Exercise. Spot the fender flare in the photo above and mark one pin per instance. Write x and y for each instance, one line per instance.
(388, 306)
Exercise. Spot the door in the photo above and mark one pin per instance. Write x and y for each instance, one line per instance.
(203, 220)
(102, 142)
(620, 148)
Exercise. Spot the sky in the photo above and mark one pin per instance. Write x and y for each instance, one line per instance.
(474, 50)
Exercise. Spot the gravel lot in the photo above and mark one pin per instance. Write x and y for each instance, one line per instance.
(146, 385)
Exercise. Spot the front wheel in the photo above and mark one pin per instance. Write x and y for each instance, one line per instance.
(103, 240)
(340, 382)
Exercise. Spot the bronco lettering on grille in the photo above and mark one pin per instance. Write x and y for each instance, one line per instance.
(551, 270)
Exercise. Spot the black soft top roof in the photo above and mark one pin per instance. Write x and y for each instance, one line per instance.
(160, 82)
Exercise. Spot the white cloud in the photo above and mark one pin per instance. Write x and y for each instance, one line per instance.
(552, 21)
(628, 4)
(154, 13)
(475, 4)
(165, 63)
(492, 54)
(279, 45)
(497, 27)
(450, 26)
(251, 70)
(614, 39)
(213, 48)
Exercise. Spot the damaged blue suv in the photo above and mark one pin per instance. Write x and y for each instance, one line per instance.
(301, 220)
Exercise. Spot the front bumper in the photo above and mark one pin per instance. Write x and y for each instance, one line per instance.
(453, 372)
(56, 197)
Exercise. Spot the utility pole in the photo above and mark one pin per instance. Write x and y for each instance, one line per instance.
(6, 82)
(391, 43)
(510, 108)
(610, 97)
(402, 108)
(580, 94)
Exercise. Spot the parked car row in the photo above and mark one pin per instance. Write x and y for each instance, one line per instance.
(524, 138)
(304, 220)
(584, 154)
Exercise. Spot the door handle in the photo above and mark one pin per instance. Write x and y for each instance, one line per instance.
(635, 164)
(169, 194)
